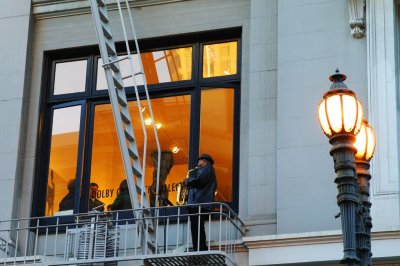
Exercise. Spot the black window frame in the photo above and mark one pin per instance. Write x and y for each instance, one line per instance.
(91, 97)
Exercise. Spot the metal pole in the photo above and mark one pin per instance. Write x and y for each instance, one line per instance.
(364, 238)
(343, 152)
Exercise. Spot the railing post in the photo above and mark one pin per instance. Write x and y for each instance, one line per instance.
(178, 227)
(198, 229)
(220, 227)
(187, 234)
(16, 243)
(209, 231)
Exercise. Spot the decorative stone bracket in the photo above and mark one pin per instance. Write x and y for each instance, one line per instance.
(356, 10)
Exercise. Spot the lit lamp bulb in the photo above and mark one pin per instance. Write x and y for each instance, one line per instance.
(175, 149)
(147, 122)
(340, 113)
(158, 125)
(365, 142)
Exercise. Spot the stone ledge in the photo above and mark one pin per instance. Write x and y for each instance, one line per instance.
(46, 9)
(311, 238)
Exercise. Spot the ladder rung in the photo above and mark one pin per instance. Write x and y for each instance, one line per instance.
(106, 33)
(151, 246)
(147, 212)
(149, 227)
(125, 115)
(132, 154)
(129, 135)
(136, 172)
(101, 3)
(114, 68)
(121, 100)
(138, 190)
(129, 76)
(111, 50)
(103, 16)
(117, 83)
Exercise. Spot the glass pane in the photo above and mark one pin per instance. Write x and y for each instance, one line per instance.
(216, 136)
(220, 59)
(70, 77)
(63, 160)
(172, 116)
(159, 67)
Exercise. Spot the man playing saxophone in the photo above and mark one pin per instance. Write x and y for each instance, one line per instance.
(202, 185)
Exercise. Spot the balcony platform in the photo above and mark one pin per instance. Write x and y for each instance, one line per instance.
(190, 258)
(97, 237)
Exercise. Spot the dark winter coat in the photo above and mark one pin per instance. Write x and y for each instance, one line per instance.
(202, 186)
(67, 203)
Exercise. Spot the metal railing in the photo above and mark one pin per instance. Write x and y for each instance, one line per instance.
(113, 236)
(5, 246)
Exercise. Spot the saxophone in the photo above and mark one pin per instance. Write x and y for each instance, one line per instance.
(183, 190)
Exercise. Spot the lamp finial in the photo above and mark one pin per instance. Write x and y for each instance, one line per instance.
(337, 80)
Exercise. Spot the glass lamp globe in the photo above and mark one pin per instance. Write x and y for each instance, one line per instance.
(339, 111)
(365, 142)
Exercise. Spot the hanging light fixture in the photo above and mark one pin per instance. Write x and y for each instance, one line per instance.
(175, 149)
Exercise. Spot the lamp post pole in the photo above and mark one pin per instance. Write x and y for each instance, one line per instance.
(365, 145)
(365, 220)
(343, 156)
(340, 116)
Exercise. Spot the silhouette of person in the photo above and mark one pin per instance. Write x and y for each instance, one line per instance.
(123, 200)
(67, 203)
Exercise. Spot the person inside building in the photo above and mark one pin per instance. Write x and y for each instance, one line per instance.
(202, 185)
(67, 203)
(123, 200)
(94, 203)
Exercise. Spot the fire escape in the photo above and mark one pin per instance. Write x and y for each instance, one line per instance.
(115, 237)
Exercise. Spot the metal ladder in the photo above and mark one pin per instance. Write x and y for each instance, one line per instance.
(123, 122)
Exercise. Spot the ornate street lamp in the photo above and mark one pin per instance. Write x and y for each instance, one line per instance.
(340, 115)
(365, 145)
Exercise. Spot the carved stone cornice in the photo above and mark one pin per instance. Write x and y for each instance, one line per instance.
(44, 9)
(356, 10)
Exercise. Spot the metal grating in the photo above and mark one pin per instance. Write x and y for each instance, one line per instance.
(197, 259)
